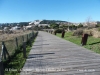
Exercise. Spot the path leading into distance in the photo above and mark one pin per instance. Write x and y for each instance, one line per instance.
(51, 55)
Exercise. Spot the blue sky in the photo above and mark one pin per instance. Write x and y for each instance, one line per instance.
(67, 10)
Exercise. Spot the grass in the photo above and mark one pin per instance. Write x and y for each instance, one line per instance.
(5, 37)
(10, 39)
(93, 44)
(14, 66)
(16, 63)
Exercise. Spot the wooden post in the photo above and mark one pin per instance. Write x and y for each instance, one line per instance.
(33, 35)
(27, 37)
(51, 32)
(63, 33)
(30, 41)
(1, 63)
(22, 37)
(55, 33)
(24, 49)
(30, 34)
(37, 33)
(3, 49)
(16, 42)
(1, 68)
(84, 39)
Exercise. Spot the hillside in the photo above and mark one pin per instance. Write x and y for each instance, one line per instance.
(52, 21)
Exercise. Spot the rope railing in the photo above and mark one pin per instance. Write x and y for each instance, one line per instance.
(5, 54)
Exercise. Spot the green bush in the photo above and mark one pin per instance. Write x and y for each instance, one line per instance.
(99, 29)
(58, 30)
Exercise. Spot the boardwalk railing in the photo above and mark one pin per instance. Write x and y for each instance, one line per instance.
(9, 47)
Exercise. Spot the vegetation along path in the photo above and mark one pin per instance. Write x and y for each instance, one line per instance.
(51, 55)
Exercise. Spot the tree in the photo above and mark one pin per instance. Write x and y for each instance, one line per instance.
(70, 27)
(36, 27)
(41, 27)
(23, 24)
(63, 26)
(60, 26)
(89, 22)
(54, 26)
(73, 27)
(98, 24)
(80, 25)
(46, 27)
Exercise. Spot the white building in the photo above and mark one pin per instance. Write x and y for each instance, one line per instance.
(15, 28)
(36, 22)
(43, 25)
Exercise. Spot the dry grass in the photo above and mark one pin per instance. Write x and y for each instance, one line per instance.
(78, 32)
(5, 37)
(96, 34)
(89, 32)
(93, 32)
(10, 41)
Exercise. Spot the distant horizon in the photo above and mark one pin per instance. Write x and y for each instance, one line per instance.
(46, 19)
(75, 11)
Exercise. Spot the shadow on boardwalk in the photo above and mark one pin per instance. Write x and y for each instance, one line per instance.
(38, 55)
(51, 55)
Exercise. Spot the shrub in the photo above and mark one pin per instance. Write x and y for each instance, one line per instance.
(78, 32)
(89, 32)
(99, 29)
(58, 30)
(96, 34)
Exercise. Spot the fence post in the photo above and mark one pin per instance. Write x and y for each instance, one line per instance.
(3, 50)
(37, 33)
(16, 42)
(33, 35)
(1, 63)
(51, 32)
(84, 39)
(1, 68)
(63, 33)
(55, 33)
(22, 37)
(30, 41)
(30, 35)
(27, 37)
(24, 49)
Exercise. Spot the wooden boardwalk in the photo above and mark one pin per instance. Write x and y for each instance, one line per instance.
(51, 55)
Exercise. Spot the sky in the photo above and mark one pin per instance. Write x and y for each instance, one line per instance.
(66, 10)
